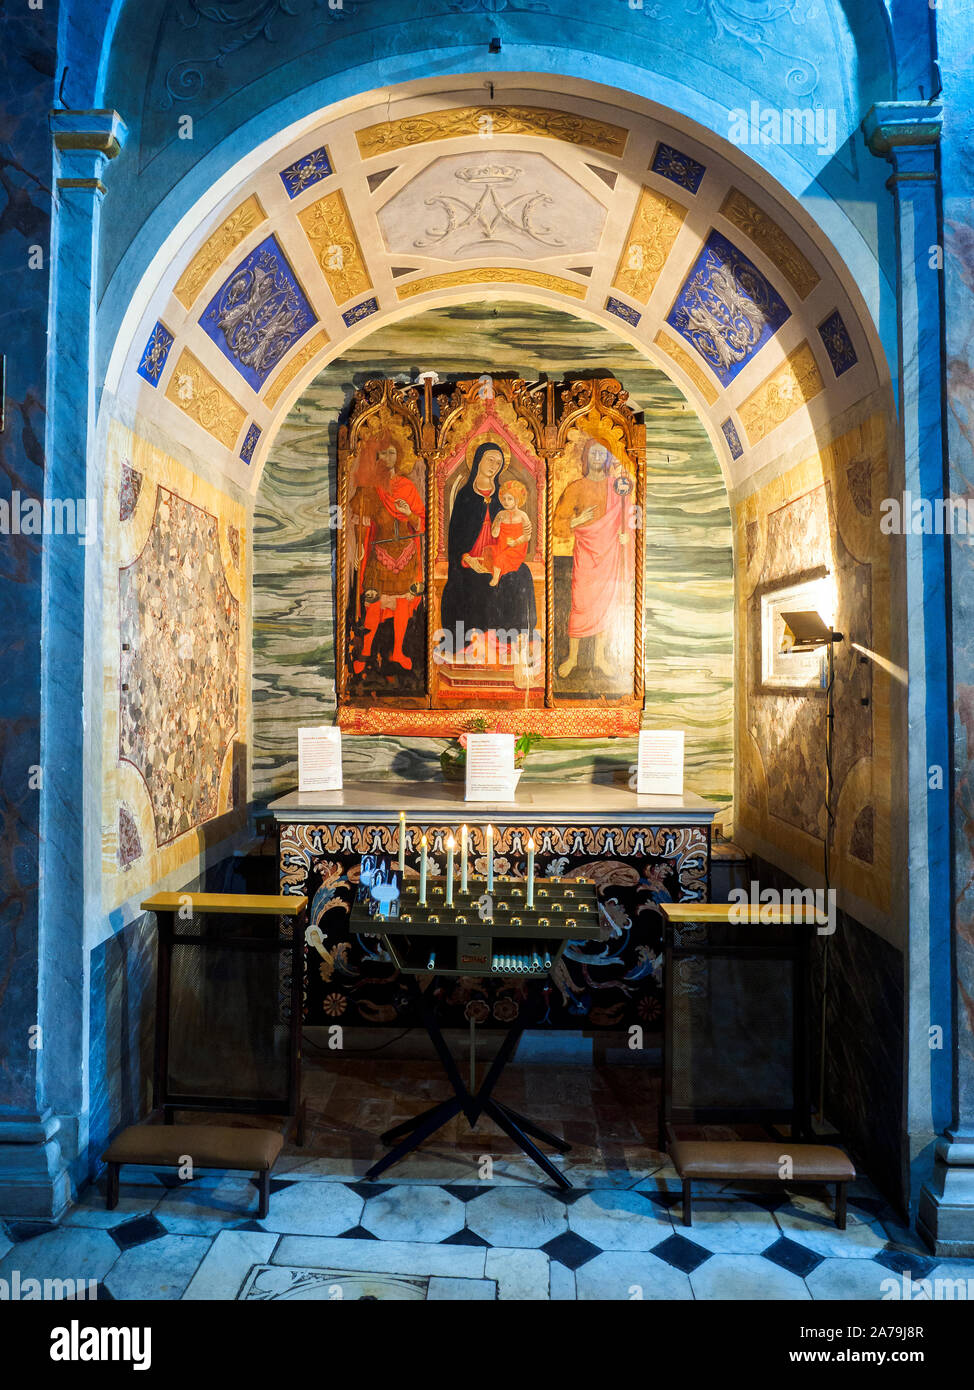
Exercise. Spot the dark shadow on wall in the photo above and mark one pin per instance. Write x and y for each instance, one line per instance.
(865, 1042)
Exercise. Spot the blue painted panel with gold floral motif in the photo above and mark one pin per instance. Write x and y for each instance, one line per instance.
(258, 313)
(726, 309)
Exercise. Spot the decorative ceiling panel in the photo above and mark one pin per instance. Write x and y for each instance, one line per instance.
(491, 121)
(492, 275)
(790, 386)
(726, 308)
(217, 248)
(779, 248)
(655, 226)
(258, 313)
(203, 399)
(333, 238)
(515, 204)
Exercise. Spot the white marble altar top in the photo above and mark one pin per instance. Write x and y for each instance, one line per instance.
(555, 803)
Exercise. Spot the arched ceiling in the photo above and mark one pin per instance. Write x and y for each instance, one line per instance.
(561, 193)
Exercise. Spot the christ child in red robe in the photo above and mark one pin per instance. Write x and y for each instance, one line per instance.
(511, 532)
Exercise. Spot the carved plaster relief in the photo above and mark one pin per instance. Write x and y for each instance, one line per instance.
(512, 204)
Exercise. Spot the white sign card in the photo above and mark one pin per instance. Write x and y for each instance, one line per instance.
(490, 767)
(320, 759)
(659, 771)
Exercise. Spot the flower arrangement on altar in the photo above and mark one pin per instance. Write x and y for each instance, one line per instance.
(453, 760)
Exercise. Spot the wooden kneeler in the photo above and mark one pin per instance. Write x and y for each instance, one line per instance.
(206, 1146)
(746, 1161)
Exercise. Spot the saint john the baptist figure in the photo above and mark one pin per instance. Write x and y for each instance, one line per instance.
(595, 513)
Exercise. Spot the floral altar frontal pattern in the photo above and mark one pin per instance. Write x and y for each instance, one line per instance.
(609, 983)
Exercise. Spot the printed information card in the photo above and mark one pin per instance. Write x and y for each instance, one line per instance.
(659, 771)
(320, 759)
(491, 775)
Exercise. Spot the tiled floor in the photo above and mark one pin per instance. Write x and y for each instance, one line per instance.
(469, 1217)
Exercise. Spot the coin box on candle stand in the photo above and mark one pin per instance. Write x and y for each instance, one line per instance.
(466, 939)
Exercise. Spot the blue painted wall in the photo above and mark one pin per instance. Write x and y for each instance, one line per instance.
(26, 95)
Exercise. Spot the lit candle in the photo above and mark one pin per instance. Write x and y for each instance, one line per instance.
(529, 901)
(450, 846)
(463, 859)
(490, 859)
(422, 873)
(402, 841)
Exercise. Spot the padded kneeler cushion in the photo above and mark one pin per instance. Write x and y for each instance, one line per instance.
(745, 1159)
(209, 1146)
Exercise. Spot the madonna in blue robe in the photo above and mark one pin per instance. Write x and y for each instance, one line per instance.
(467, 596)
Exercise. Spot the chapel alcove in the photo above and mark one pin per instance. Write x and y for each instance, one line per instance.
(688, 562)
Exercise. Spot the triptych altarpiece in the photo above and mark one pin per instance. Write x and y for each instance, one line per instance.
(490, 557)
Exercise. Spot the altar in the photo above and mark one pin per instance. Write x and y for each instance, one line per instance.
(640, 851)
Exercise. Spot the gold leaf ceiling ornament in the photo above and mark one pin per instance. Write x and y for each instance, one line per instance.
(789, 387)
(491, 275)
(686, 363)
(488, 121)
(217, 248)
(655, 225)
(329, 228)
(291, 368)
(768, 237)
(195, 392)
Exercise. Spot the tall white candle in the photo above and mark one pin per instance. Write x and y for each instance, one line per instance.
(422, 873)
(450, 846)
(529, 901)
(463, 859)
(402, 841)
(490, 859)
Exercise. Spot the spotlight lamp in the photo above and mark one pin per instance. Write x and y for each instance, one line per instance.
(806, 631)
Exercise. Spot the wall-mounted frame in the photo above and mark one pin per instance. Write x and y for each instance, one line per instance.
(490, 557)
(782, 670)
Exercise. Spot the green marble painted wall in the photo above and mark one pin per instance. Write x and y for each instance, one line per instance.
(689, 559)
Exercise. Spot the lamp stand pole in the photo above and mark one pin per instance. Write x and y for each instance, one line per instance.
(826, 853)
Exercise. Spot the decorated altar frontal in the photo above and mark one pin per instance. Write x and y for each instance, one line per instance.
(639, 850)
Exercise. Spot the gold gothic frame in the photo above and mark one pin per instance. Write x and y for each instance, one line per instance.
(490, 557)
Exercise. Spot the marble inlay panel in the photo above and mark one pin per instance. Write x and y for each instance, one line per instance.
(179, 628)
(176, 603)
(821, 517)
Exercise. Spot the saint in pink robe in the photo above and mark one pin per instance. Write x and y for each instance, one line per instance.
(602, 570)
